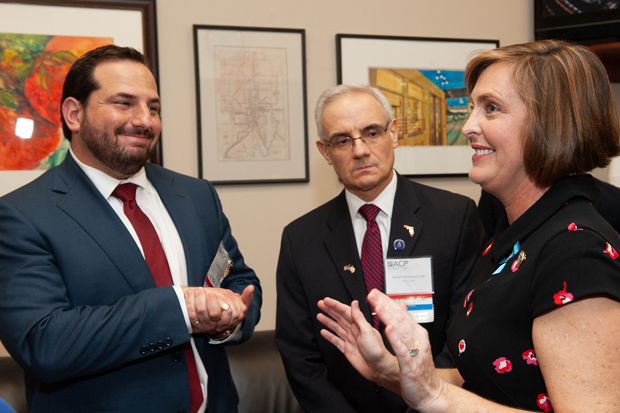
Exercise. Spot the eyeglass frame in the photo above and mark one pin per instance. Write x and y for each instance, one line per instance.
(387, 126)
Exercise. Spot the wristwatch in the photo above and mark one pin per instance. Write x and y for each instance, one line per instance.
(222, 334)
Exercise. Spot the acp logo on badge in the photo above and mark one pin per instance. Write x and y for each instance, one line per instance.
(397, 263)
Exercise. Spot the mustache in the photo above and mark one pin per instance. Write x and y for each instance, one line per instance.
(147, 133)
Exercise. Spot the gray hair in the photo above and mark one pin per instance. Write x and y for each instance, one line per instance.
(335, 92)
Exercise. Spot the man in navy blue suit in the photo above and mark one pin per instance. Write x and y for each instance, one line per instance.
(80, 309)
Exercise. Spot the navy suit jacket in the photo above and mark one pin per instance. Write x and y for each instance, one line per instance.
(315, 250)
(80, 311)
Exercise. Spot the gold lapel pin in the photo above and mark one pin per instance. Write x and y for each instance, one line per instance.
(410, 229)
(349, 268)
(520, 259)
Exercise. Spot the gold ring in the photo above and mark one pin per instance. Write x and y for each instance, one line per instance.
(413, 351)
(196, 322)
(225, 307)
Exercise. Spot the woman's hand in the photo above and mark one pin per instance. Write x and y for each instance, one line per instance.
(421, 387)
(361, 343)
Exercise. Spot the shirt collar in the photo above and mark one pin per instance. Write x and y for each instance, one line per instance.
(385, 200)
(106, 184)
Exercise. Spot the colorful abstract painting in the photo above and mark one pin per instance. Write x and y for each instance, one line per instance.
(32, 73)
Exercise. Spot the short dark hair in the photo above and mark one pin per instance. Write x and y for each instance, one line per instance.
(572, 124)
(80, 81)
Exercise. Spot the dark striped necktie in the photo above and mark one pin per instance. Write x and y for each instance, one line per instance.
(372, 252)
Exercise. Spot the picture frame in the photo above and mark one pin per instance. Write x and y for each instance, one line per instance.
(129, 22)
(251, 104)
(423, 81)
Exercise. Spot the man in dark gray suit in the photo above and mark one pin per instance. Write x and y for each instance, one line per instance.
(321, 252)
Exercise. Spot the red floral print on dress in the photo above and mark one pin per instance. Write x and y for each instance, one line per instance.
(461, 347)
(562, 297)
(488, 248)
(611, 251)
(530, 357)
(502, 365)
(573, 227)
(471, 305)
(544, 403)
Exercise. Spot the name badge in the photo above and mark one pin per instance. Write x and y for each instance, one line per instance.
(411, 280)
(219, 269)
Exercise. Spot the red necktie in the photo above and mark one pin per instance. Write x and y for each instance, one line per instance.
(372, 252)
(158, 264)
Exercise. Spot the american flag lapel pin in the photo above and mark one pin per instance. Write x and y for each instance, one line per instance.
(349, 268)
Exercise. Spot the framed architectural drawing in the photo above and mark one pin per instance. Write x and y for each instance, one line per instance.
(422, 79)
(251, 104)
(39, 41)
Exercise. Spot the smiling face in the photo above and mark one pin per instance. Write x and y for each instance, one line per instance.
(118, 128)
(496, 129)
(364, 171)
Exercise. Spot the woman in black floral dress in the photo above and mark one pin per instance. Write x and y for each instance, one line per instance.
(539, 329)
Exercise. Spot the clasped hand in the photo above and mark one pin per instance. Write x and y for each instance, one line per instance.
(207, 310)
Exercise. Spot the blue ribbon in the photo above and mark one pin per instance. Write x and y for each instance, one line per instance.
(516, 248)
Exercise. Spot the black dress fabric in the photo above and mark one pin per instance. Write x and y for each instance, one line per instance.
(566, 251)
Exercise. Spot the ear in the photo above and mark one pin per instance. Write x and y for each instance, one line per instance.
(393, 131)
(322, 147)
(73, 112)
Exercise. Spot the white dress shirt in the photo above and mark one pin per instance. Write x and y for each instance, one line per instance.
(149, 202)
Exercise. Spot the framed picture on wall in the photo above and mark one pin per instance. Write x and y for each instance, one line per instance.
(251, 104)
(39, 41)
(422, 78)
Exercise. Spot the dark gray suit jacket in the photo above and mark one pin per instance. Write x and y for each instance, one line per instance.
(80, 311)
(316, 248)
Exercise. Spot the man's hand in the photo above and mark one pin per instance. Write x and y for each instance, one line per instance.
(213, 310)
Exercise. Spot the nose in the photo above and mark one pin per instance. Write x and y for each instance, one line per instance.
(471, 126)
(142, 117)
(360, 149)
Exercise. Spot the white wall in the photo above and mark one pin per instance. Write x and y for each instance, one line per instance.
(258, 213)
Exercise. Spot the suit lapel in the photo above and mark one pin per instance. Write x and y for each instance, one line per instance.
(85, 204)
(406, 203)
(340, 244)
(182, 212)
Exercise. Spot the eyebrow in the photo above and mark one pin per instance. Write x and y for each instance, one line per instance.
(133, 97)
(488, 96)
(367, 128)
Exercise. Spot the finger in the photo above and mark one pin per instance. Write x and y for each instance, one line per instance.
(226, 318)
(400, 347)
(213, 307)
(200, 304)
(333, 325)
(234, 314)
(247, 295)
(339, 316)
(358, 317)
(336, 306)
(335, 340)
(406, 363)
(189, 304)
(377, 298)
